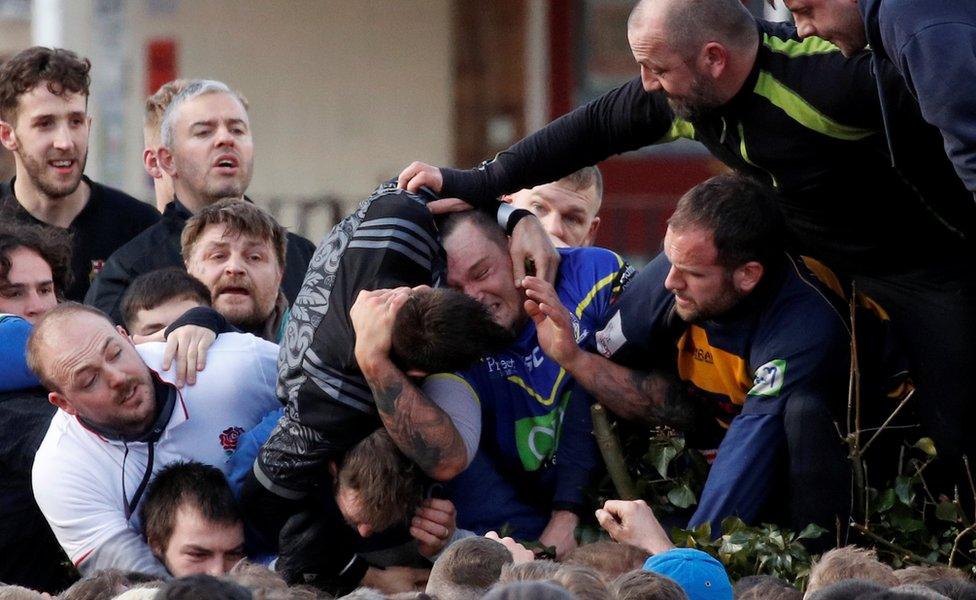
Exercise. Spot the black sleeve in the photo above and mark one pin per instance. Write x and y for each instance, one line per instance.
(107, 289)
(624, 119)
(202, 316)
(298, 253)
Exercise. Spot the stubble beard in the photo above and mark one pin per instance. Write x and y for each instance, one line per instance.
(55, 190)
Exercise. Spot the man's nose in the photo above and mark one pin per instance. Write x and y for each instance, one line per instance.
(804, 27)
(224, 137)
(553, 224)
(235, 264)
(62, 137)
(673, 281)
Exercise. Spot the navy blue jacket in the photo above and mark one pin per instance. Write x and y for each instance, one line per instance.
(930, 43)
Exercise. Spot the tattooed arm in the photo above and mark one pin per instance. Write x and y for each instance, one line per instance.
(420, 428)
(651, 398)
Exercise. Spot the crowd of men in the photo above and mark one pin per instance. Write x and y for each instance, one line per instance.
(201, 392)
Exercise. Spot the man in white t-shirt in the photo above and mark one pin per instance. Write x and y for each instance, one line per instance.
(120, 420)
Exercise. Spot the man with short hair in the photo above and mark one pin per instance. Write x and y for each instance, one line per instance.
(191, 520)
(156, 105)
(208, 152)
(238, 251)
(567, 208)
(919, 40)
(157, 299)
(376, 486)
(537, 452)
(760, 347)
(44, 122)
(803, 119)
(35, 266)
(341, 380)
(120, 420)
(467, 569)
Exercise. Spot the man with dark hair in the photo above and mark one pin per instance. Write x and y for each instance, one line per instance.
(801, 118)
(238, 251)
(191, 520)
(207, 150)
(760, 347)
(203, 586)
(340, 379)
(35, 263)
(120, 419)
(426, 333)
(44, 122)
(567, 208)
(538, 452)
(156, 299)
(376, 486)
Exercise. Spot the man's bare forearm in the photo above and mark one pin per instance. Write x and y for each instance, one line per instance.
(420, 428)
(633, 395)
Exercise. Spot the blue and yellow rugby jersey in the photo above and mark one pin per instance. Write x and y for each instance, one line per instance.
(786, 339)
(537, 451)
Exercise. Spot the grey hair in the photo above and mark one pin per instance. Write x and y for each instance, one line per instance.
(193, 90)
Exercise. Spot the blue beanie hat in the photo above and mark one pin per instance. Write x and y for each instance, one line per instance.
(699, 574)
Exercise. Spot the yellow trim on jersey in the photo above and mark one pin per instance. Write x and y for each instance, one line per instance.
(794, 48)
(599, 286)
(458, 379)
(712, 369)
(531, 392)
(679, 129)
(803, 112)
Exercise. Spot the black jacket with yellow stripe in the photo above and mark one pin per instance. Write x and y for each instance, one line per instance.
(808, 122)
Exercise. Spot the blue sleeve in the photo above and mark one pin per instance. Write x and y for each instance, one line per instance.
(637, 333)
(740, 477)
(576, 454)
(14, 374)
(248, 447)
(939, 65)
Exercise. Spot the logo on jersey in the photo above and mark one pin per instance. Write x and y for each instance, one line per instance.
(611, 338)
(229, 438)
(97, 266)
(534, 359)
(769, 378)
(500, 366)
(536, 437)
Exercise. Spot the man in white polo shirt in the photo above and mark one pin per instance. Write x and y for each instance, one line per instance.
(120, 420)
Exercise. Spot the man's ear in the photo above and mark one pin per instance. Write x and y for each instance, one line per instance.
(124, 333)
(333, 469)
(714, 59)
(164, 158)
(150, 162)
(746, 277)
(507, 198)
(58, 399)
(8, 137)
(590, 238)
